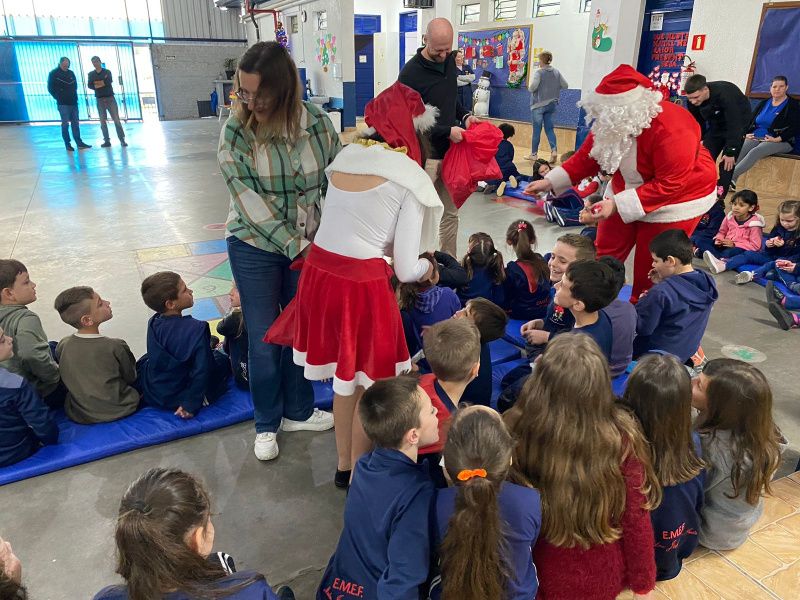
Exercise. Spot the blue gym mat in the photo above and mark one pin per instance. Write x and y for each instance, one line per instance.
(763, 282)
(79, 444)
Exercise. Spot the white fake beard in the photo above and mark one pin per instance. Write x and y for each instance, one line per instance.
(615, 126)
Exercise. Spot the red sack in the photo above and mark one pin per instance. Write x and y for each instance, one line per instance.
(471, 160)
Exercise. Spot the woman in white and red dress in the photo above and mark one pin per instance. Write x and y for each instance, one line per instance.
(344, 322)
(663, 177)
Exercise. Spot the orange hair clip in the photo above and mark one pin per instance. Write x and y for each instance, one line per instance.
(468, 474)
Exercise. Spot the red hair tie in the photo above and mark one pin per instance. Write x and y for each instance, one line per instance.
(468, 474)
(522, 225)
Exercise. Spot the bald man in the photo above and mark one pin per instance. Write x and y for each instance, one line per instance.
(434, 74)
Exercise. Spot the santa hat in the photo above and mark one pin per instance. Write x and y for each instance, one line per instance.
(397, 114)
(624, 85)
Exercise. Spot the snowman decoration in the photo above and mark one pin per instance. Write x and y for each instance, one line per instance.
(480, 99)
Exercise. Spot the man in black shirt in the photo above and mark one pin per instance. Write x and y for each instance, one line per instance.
(433, 73)
(723, 112)
(63, 86)
(100, 80)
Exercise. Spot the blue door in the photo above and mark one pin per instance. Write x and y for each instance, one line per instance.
(408, 24)
(661, 52)
(364, 27)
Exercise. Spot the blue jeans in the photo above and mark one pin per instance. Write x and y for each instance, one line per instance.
(708, 244)
(277, 385)
(543, 116)
(69, 116)
(749, 257)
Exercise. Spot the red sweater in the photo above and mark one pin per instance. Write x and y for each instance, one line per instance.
(603, 571)
(427, 382)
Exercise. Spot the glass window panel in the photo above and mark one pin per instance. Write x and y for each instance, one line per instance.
(470, 13)
(20, 17)
(85, 18)
(505, 9)
(546, 8)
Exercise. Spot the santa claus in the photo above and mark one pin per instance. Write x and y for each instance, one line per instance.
(663, 178)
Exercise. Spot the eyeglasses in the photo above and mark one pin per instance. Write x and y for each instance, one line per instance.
(245, 96)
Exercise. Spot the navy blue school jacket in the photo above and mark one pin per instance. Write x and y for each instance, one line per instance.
(525, 299)
(521, 511)
(601, 332)
(384, 550)
(709, 223)
(433, 305)
(179, 368)
(479, 390)
(236, 345)
(505, 159)
(481, 286)
(676, 522)
(257, 589)
(25, 421)
(673, 315)
(791, 243)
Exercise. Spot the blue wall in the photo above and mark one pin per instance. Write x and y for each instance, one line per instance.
(515, 105)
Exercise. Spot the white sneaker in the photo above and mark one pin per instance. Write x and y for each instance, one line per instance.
(744, 277)
(318, 421)
(266, 446)
(531, 157)
(714, 264)
(501, 189)
(512, 181)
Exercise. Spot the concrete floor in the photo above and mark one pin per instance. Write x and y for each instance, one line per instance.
(78, 219)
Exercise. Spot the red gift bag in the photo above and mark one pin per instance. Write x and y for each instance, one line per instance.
(471, 160)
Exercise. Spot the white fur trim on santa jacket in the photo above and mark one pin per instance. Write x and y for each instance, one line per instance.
(398, 168)
(667, 175)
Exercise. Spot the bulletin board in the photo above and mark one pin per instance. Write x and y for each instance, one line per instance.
(776, 51)
(503, 53)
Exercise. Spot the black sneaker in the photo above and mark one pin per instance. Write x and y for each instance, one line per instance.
(773, 293)
(106, 144)
(83, 146)
(70, 148)
(781, 315)
(285, 593)
(342, 479)
(123, 143)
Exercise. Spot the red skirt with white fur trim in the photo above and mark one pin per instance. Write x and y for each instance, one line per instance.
(344, 322)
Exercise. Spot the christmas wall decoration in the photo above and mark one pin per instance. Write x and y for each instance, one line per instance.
(500, 54)
(280, 35)
(326, 50)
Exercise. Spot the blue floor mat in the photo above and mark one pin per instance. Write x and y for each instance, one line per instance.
(503, 351)
(79, 444)
(518, 193)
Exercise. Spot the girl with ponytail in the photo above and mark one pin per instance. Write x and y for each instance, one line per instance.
(527, 285)
(485, 270)
(164, 538)
(487, 525)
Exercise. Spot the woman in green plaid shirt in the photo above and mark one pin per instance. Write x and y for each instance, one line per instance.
(272, 153)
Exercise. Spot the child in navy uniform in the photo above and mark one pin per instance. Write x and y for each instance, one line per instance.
(384, 548)
(451, 273)
(485, 270)
(673, 315)
(492, 560)
(707, 228)
(180, 372)
(527, 285)
(623, 320)
(491, 321)
(511, 177)
(164, 539)
(587, 287)
(659, 392)
(236, 340)
(25, 422)
(425, 303)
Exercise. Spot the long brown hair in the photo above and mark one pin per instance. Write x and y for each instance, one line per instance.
(740, 401)
(571, 440)
(474, 558)
(483, 254)
(156, 514)
(408, 293)
(279, 91)
(522, 237)
(659, 391)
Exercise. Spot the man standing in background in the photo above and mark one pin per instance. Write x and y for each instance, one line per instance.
(63, 86)
(100, 80)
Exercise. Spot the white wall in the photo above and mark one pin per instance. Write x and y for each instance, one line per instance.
(731, 27)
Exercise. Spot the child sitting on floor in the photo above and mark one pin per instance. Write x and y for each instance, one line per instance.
(527, 285)
(236, 340)
(485, 270)
(589, 461)
(384, 547)
(673, 315)
(740, 447)
(453, 351)
(180, 372)
(780, 304)
(565, 209)
(423, 304)
(33, 356)
(492, 560)
(782, 245)
(741, 230)
(505, 160)
(623, 320)
(659, 392)
(708, 227)
(491, 321)
(164, 540)
(25, 422)
(99, 371)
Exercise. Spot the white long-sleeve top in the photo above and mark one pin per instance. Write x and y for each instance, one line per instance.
(383, 221)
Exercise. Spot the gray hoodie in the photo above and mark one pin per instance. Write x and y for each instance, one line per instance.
(32, 358)
(545, 86)
(725, 522)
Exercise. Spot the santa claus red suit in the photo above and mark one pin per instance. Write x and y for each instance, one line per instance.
(663, 178)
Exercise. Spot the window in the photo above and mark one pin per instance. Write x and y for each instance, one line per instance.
(545, 8)
(322, 19)
(293, 27)
(505, 9)
(470, 13)
(586, 5)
